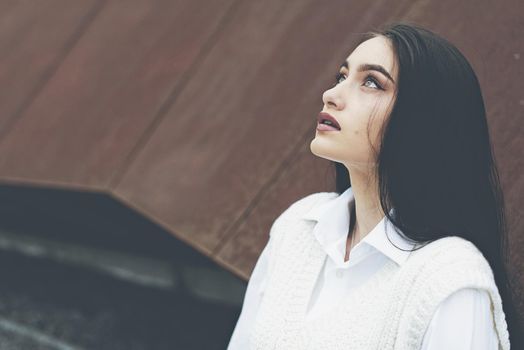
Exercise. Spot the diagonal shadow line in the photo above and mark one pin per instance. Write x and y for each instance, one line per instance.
(50, 72)
(293, 155)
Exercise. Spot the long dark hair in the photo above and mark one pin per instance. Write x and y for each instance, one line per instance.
(435, 165)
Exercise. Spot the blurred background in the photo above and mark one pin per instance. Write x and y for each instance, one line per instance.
(146, 146)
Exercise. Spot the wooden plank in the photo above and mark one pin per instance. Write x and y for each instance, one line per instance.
(241, 116)
(109, 90)
(302, 175)
(34, 38)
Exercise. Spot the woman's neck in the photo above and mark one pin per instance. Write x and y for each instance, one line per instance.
(368, 211)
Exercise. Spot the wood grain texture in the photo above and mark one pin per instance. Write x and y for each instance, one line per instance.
(304, 174)
(109, 90)
(34, 38)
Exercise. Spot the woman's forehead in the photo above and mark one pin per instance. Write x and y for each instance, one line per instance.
(377, 51)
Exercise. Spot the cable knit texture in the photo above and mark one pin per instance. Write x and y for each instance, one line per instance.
(391, 310)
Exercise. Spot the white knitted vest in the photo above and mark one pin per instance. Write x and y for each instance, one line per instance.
(391, 310)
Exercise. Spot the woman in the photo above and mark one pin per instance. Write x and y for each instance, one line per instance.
(408, 253)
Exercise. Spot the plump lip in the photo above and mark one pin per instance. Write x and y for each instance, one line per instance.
(323, 115)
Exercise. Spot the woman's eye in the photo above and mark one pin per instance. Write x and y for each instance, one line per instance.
(374, 81)
(339, 76)
(369, 78)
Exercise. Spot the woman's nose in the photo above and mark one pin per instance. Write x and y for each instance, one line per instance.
(331, 97)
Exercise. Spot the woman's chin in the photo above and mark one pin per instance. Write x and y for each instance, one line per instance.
(320, 151)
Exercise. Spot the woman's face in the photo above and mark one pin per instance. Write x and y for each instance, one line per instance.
(361, 92)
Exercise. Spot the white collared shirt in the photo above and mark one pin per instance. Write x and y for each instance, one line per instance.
(463, 321)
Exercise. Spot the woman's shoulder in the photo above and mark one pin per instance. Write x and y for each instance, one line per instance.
(306, 203)
(450, 249)
(444, 267)
(302, 205)
(449, 258)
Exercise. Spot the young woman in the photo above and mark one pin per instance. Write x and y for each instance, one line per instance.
(408, 252)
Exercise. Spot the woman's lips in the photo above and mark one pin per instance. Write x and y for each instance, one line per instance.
(322, 116)
(325, 127)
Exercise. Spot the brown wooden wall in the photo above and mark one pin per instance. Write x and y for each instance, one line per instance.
(199, 114)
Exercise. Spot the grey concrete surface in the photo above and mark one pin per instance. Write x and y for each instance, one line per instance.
(46, 304)
(210, 283)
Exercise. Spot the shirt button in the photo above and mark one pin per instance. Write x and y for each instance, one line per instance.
(339, 273)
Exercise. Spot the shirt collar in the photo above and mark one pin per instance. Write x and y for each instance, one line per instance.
(333, 217)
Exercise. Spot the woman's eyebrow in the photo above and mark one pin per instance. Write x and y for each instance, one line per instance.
(367, 66)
